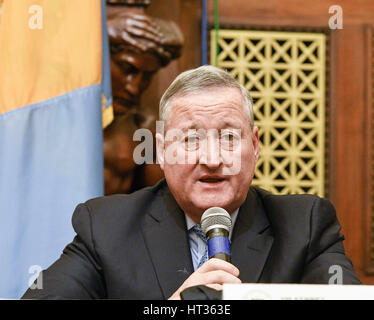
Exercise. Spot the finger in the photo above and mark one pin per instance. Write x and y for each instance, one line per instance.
(113, 34)
(127, 38)
(164, 53)
(215, 286)
(146, 20)
(141, 17)
(218, 264)
(220, 277)
(143, 34)
(144, 27)
(149, 21)
(151, 46)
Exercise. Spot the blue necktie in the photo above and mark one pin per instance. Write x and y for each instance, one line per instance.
(202, 236)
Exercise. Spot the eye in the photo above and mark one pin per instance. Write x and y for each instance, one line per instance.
(191, 142)
(127, 68)
(191, 139)
(228, 137)
(229, 140)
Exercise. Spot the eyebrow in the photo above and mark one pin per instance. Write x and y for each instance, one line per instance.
(226, 124)
(231, 124)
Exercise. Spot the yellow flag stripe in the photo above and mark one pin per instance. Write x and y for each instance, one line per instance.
(48, 48)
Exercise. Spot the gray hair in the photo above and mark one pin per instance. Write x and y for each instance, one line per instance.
(204, 77)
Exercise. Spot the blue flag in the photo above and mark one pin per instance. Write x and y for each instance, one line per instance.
(54, 87)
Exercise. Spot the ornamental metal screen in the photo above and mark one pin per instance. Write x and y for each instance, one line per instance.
(285, 74)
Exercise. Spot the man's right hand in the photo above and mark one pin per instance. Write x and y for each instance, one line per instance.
(213, 274)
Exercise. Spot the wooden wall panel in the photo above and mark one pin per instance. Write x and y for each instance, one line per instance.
(351, 146)
(368, 232)
(349, 105)
(351, 87)
(314, 13)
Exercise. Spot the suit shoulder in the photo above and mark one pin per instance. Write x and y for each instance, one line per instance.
(303, 200)
(119, 203)
(297, 206)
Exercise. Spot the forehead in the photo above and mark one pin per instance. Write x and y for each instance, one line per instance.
(215, 106)
(142, 61)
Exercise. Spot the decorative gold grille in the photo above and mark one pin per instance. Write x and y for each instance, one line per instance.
(285, 74)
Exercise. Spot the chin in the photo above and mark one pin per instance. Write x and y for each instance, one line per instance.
(206, 203)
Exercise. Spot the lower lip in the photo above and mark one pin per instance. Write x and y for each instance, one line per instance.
(211, 184)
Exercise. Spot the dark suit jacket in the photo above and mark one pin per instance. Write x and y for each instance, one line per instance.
(136, 246)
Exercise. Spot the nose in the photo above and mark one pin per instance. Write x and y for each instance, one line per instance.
(210, 153)
(133, 83)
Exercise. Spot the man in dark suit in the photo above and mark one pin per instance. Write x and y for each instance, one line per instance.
(146, 245)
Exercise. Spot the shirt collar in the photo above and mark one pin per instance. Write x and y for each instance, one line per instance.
(190, 223)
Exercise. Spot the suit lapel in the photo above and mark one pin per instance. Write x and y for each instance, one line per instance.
(164, 231)
(166, 238)
(251, 239)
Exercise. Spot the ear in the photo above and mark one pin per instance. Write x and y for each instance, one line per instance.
(256, 142)
(160, 149)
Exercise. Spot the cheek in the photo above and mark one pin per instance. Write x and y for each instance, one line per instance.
(178, 175)
(249, 161)
(240, 162)
(247, 166)
(177, 154)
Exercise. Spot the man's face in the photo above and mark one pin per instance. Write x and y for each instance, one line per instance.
(131, 75)
(213, 150)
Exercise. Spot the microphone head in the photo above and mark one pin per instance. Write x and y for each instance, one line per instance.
(215, 217)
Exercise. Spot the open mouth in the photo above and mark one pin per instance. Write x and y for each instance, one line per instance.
(211, 179)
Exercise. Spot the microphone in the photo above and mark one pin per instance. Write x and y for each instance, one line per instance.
(216, 225)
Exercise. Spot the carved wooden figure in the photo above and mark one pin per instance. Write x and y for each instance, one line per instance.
(140, 45)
